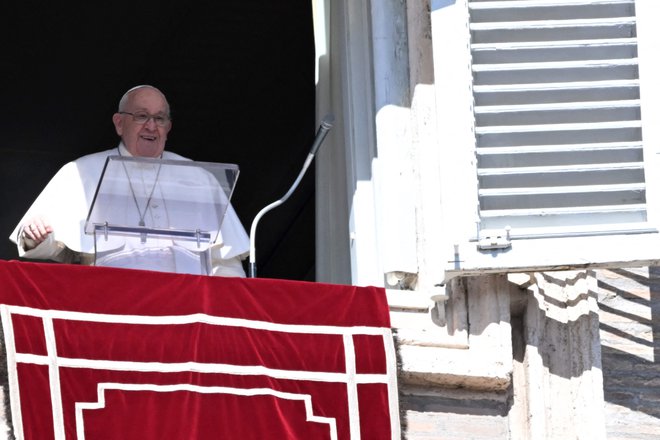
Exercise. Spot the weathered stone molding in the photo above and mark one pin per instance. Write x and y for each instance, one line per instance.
(473, 350)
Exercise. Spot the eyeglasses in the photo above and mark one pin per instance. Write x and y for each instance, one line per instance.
(143, 118)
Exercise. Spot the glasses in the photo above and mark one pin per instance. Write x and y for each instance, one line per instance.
(143, 118)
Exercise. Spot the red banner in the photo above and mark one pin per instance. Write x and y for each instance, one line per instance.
(102, 353)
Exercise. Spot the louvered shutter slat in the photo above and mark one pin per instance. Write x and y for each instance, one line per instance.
(557, 116)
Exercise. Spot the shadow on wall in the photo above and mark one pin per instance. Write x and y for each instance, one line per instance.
(629, 302)
(566, 323)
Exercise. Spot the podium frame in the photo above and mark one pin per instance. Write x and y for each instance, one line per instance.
(147, 206)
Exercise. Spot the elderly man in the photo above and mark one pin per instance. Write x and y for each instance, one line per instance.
(53, 227)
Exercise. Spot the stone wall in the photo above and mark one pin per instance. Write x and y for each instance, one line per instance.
(629, 304)
(529, 367)
(6, 431)
(572, 361)
(456, 362)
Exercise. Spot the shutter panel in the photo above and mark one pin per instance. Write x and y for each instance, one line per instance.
(557, 117)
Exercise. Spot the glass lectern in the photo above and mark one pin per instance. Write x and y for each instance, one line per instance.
(157, 214)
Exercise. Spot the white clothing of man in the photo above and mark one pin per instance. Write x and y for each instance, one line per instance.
(54, 226)
(66, 200)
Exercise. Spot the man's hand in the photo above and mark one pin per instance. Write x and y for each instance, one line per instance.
(35, 231)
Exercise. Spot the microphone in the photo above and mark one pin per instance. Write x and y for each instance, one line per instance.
(326, 124)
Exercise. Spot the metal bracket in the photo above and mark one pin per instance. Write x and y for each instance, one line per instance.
(499, 241)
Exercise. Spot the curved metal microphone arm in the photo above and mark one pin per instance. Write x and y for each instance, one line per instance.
(326, 125)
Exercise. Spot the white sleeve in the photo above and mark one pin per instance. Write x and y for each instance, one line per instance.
(233, 241)
(49, 249)
(228, 268)
(63, 205)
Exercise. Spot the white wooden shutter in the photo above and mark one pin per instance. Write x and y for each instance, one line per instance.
(559, 154)
(557, 117)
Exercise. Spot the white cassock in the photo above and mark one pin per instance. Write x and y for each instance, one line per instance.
(161, 199)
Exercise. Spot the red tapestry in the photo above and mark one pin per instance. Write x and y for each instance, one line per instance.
(103, 353)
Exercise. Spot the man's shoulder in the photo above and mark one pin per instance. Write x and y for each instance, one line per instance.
(99, 156)
(173, 156)
(94, 161)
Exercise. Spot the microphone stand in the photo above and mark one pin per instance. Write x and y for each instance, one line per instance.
(326, 125)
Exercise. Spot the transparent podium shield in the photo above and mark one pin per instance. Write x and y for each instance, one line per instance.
(159, 214)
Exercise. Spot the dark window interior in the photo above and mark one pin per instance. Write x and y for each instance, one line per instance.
(239, 76)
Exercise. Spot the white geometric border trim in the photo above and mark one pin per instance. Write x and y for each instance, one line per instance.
(54, 362)
(102, 387)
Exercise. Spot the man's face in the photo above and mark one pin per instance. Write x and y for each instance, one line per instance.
(146, 139)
